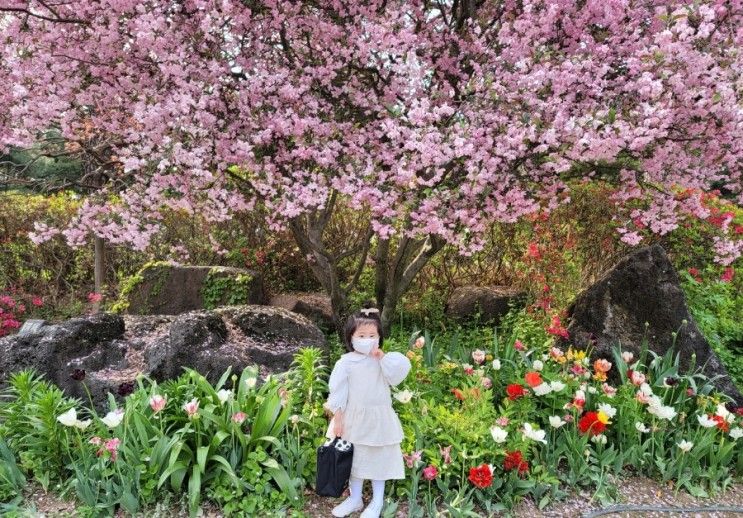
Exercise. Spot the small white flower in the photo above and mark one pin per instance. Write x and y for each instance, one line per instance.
(608, 409)
(545, 356)
(69, 418)
(294, 419)
(224, 395)
(685, 445)
(641, 427)
(592, 390)
(659, 410)
(542, 389)
(723, 412)
(557, 386)
(496, 364)
(250, 382)
(600, 438)
(627, 356)
(113, 418)
(537, 365)
(586, 361)
(498, 433)
(556, 421)
(404, 396)
(534, 434)
(736, 433)
(82, 425)
(706, 421)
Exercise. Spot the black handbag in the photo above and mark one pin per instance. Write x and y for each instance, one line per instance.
(334, 459)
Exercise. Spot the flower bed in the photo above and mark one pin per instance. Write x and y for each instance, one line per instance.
(484, 428)
(517, 420)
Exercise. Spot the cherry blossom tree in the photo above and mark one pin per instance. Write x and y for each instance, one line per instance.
(438, 117)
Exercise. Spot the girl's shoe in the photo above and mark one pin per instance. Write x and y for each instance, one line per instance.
(373, 510)
(347, 507)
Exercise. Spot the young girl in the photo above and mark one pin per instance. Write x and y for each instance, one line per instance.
(362, 410)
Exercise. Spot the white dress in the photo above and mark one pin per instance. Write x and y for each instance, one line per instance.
(360, 386)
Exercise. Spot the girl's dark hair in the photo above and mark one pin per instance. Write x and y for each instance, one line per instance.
(362, 317)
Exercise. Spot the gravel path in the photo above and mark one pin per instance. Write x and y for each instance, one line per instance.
(632, 491)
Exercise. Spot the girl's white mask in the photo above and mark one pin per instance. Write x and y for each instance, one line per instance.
(364, 345)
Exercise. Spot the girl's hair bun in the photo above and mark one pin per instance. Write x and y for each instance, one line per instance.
(368, 309)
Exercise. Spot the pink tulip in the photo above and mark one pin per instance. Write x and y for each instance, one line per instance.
(112, 446)
(239, 417)
(157, 403)
(446, 454)
(192, 407)
(430, 472)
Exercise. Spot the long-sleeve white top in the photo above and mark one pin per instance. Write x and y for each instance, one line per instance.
(359, 385)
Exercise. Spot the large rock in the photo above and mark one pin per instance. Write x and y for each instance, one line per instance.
(643, 287)
(113, 349)
(315, 306)
(163, 288)
(491, 302)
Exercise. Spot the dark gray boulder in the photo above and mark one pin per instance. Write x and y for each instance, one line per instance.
(643, 287)
(315, 306)
(491, 302)
(113, 349)
(162, 288)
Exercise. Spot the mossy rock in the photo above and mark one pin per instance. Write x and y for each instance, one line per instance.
(162, 288)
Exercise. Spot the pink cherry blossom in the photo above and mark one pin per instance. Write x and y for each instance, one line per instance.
(443, 116)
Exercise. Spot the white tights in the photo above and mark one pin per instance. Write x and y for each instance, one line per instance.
(355, 485)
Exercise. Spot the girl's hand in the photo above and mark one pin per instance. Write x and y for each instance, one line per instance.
(377, 353)
(338, 424)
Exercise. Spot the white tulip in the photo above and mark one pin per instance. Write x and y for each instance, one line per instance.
(224, 395)
(404, 396)
(498, 433)
(556, 421)
(496, 364)
(608, 409)
(542, 389)
(69, 418)
(537, 365)
(557, 386)
(641, 427)
(685, 445)
(82, 425)
(723, 412)
(113, 418)
(600, 438)
(736, 433)
(534, 434)
(659, 410)
(706, 421)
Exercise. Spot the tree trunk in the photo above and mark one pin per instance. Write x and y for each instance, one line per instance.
(392, 276)
(99, 270)
(394, 279)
